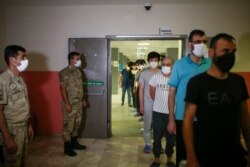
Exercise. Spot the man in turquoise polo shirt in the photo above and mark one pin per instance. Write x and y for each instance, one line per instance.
(192, 64)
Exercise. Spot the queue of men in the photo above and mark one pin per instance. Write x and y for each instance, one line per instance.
(195, 102)
(203, 109)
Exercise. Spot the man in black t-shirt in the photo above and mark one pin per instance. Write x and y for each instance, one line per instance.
(125, 82)
(217, 99)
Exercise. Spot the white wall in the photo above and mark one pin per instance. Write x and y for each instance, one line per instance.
(44, 30)
(2, 32)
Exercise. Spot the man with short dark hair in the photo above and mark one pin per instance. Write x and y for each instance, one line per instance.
(185, 68)
(15, 126)
(146, 102)
(125, 82)
(72, 103)
(218, 99)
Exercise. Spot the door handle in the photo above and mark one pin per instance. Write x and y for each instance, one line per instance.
(95, 93)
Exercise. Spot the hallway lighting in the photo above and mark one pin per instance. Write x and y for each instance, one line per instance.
(143, 44)
(145, 36)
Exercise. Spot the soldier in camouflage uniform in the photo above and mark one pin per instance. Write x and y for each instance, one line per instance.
(15, 127)
(72, 95)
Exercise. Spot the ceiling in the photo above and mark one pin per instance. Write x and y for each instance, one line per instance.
(136, 49)
(111, 2)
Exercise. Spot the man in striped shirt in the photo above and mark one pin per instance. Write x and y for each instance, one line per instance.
(159, 93)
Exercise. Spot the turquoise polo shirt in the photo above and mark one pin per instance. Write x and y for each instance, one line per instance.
(182, 71)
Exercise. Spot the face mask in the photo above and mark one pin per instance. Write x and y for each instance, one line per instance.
(224, 62)
(153, 64)
(24, 64)
(141, 67)
(200, 50)
(78, 63)
(165, 69)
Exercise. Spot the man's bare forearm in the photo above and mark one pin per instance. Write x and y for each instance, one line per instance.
(141, 95)
(152, 92)
(171, 103)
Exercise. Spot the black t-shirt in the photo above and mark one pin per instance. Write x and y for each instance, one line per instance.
(127, 78)
(218, 111)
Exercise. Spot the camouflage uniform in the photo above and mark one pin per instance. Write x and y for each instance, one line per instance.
(70, 78)
(14, 97)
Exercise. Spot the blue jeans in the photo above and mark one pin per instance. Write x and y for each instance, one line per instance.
(128, 89)
(160, 121)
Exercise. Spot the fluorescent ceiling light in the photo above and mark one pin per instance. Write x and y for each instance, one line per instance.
(143, 44)
(141, 47)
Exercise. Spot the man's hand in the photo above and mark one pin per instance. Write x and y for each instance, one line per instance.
(171, 126)
(192, 163)
(84, 103)
(134, 90)
(142, 110)
(10, 144)
(30, 132)
(68, 108)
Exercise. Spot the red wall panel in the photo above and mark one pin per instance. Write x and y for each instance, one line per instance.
(45, 100)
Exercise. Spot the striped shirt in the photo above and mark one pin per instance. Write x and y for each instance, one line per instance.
(160, 82)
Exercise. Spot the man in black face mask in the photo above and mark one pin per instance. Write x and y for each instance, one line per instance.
(217, 98)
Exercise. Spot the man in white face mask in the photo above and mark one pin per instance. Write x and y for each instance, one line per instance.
(159, 93)
(15, 127)
(184, 69)
(146, 102)
(73, 101)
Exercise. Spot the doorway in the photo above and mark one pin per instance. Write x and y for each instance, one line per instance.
(105, 58)
(125, 120)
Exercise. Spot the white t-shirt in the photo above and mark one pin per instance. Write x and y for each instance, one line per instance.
(160, 82)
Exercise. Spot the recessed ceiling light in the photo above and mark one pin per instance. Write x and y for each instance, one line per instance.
(143, 44)
(142, 47)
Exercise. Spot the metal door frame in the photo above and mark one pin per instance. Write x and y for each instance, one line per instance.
(111, 38)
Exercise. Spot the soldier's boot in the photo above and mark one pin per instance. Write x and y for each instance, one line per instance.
(76, 145)
(68, 150)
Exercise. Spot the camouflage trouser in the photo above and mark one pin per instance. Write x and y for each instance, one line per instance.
(71, 121)
(20, 136)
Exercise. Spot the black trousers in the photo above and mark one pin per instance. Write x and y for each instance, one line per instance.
(160, 121)
(1, 155)
(230, 158)
(226, 159)
(180, 147)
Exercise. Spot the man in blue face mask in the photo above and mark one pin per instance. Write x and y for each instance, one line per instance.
(217, 98)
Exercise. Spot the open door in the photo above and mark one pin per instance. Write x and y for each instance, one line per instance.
(96, 119)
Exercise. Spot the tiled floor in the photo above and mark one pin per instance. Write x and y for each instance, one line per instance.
(47, 151)
(124, 123)
(124, 149)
